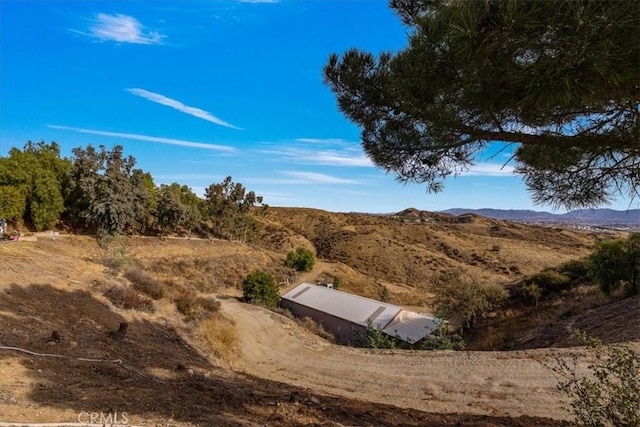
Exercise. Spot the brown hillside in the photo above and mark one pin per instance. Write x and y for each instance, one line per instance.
(405, 252)
(183, 364)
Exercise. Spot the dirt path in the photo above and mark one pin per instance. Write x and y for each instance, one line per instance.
(491, 383)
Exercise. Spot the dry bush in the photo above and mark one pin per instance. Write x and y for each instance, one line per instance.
(220, 335)
(187, 303)
(144, 283)
(193, 306)
(209, 304)
(315, 327)
(128, 299)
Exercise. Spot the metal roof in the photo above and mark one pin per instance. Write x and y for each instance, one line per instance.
(410, 326)
(391, 319)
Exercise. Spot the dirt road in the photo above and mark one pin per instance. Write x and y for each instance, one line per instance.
(490, 383)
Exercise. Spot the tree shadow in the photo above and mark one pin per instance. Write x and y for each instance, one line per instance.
(161, 378)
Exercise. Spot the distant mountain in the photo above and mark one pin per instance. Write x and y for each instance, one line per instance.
(609, 218)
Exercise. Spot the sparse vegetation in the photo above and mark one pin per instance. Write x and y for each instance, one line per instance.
(609, 394)
(302, 259)
(119, 257)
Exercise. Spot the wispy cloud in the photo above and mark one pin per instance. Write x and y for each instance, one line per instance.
(193, 111)
(325, 152)
(335, 141)
(489, 169)
(324, 157)
(121, 29)
(138, 137)
(316, 178)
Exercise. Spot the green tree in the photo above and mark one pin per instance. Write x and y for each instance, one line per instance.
(46, 200)
(556, 83)
(177, 206)
(12, 203)
(228, 204)
(616, 263)
(261, 287)
(465, 300)
(41, 177)
(108, 194)
(302, 259)
(170, 212)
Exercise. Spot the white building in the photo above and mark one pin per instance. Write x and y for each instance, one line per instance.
(347, 315)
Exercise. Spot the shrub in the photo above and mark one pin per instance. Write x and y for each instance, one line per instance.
(532, 292)
(384, 294)
(128, 299)
(261, 287)
(193, 306)
(575, 269)
(551, 280)
(119, 257)
(337, 282)
(301, 259)
(443, 340)
(375, 338)
(144, 283)
(467, 299)
(187, 303)
(609, 395)
(616, 264)
(315, 327)
(211, 305)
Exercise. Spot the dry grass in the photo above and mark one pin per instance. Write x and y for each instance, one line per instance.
(220, 336)
(408, 254)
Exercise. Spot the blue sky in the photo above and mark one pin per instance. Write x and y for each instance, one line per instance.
(200, 90)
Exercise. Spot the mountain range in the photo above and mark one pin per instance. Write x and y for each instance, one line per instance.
(607, 218)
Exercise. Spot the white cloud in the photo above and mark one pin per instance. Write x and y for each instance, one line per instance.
(122, 29)
(138, 137)
(489, 169)
(316, 178)
(193, 111)
(323, 157)
(336, 141)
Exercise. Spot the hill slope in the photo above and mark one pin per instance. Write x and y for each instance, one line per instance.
(164, 370)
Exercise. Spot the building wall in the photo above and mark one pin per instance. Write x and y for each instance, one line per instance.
(343, 330)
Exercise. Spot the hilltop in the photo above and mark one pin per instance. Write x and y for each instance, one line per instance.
(172, 368)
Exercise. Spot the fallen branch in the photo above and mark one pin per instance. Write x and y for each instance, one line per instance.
(81, 359)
